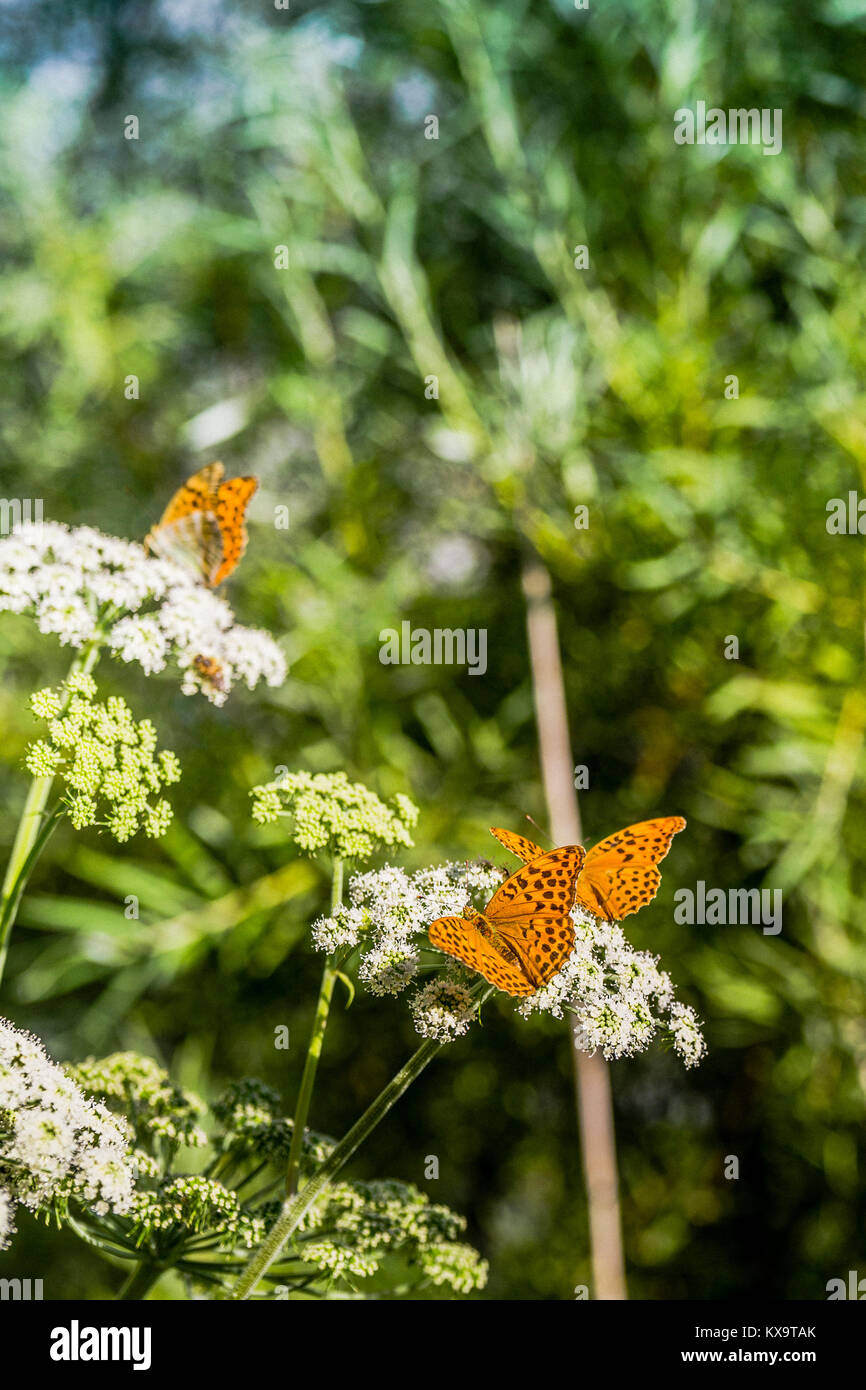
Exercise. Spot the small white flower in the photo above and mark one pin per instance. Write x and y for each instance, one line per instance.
(685, 1030)
(7, 1219)
(443, 1010)
(332, 934)
(619, 996)
(388, 910)
(142, 640)
(68, 618)
(255, 656)
(389, 967)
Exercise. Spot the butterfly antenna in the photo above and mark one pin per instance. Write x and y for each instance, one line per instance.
(540, 828)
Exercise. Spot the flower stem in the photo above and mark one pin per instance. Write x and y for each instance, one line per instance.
(314, 1050)
(13, 884)
(30, 826)
(139, 1283)
(295, 1207)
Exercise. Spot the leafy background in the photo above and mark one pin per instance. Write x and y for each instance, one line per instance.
(558, 387)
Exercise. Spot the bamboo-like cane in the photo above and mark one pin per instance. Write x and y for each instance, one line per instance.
(592, 1077)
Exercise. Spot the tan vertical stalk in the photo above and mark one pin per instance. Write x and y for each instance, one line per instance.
(592, 1076)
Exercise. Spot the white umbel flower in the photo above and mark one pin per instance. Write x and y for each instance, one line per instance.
(83, 586)
(443, 1010)
(55, 1144)
(619, 996)
(7, 1218)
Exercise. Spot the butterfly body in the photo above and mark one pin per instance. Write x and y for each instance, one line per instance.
(202, 528)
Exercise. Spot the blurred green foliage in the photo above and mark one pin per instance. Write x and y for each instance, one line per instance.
(558, 387)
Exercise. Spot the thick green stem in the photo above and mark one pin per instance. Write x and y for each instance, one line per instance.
(139, 1283)
(22, 860)
(13, 884)
(295, 1208)
(314, 1050)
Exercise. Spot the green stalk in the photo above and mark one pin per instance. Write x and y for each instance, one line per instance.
(139, 1283)
(314, 1050)
(29, 835)
(295, 1207)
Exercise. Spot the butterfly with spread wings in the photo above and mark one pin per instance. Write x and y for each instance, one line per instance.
(203, 526)
(525, 934)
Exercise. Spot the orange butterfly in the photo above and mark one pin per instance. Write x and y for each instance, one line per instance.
(203, 524)
(619, 875)
(525, 934)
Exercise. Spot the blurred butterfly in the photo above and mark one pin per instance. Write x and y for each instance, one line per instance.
(619, 874)
(525, 934)
(203, 525)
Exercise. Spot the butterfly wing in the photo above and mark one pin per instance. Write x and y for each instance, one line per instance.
(543, 887)
(531, 910)
(620, 873)
(196, 495)
(230, 507)
(188, 531)
(517, 844)
(463, 940)
(203, 525)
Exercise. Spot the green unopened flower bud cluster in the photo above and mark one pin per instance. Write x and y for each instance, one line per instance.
(109, 762)
(366, 1222)
(195, 1205)
(248, 1114)
(331, 813)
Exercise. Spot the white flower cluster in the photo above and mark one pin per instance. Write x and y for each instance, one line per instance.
(55, 1144)
(619, 996)
(387, 916)
(84, 587)
(443, 1009)
(162, 1111)
(387, 910)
